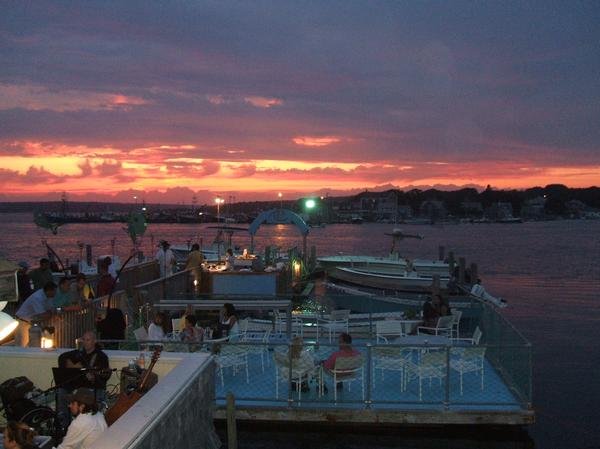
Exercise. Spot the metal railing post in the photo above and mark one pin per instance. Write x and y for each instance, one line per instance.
(368, 398)
(447, 398)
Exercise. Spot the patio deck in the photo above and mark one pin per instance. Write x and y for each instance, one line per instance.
(384, 401)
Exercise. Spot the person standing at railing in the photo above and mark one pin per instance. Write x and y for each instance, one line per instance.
(37, 307)
(166, 259)
(194, 262)
(24, 283)
(105, 281)
(41, 275)
(81, 291)
(63, 297)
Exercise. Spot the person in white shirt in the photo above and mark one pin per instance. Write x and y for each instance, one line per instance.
(38, 306)
(88, 424)
(166, 259)
(156, 330)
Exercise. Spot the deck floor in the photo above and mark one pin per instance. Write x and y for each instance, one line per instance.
(386, 393)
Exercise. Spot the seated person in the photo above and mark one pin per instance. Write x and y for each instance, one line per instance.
(345, 350)
(191, 333)
(112, 327)
(88, 424)
(92, 358)
(229, 260)
(18, 435)
(431, 311)
(228, 323)
(158, 329)
(302, 362)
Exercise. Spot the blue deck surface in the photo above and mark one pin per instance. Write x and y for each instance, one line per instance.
(260, 390)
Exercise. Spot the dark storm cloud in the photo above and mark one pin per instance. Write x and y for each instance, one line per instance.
(396, 80)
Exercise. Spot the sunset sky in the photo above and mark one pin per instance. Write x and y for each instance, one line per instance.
(163, 100)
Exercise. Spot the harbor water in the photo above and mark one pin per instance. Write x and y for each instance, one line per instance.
(549, 272)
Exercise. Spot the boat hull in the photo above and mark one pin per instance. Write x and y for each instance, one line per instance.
(387, 265)
(385, 281)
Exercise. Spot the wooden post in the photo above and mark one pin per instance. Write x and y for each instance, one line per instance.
(462, 264)
(441, 252)
(474, 273)
(451, 263)
(312, 261)
(231, 425)
(435, 285)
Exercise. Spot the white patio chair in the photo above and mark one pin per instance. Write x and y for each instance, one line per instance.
(457, 314)
(430, 365)
(337, 321)
(388, 329)
(346, 371)
(261, 348)
(177, 325)
(471, 359)
(443, 327)
(303, 370)
(232, 356)
(281, 324)
(474, 340)
(391, 359)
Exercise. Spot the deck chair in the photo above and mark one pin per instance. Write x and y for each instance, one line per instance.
(337, 321)
(232, 356)
(141, 334)
(443, 327)
(346, 371)
(431, 365)
(471, 359)
(387, 329)
(258, 344)
(474, 340)
(457, 314)
(300, 372)
(393, 359)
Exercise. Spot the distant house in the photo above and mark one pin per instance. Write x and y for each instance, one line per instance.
(499, 211)
(472, 208)
(433, 210)
(576, 208)
(533, 209)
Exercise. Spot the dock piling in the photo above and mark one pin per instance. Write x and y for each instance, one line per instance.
(231, 424)
(462, 264)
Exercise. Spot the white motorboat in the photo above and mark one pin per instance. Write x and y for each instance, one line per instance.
(406, 281)
(393, 264)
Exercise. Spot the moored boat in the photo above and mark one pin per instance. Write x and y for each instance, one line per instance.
(406, 281)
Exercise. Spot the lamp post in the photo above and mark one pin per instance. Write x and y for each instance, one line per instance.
(219, 201)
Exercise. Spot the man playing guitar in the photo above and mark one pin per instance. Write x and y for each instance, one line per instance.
(91, 358)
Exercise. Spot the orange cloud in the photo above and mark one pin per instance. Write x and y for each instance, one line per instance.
(312, 141)
(36, 98)
(263, 102)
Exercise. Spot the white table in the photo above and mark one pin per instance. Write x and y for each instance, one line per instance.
(433, 340)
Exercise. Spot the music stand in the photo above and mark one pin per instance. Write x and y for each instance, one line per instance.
(69, 378)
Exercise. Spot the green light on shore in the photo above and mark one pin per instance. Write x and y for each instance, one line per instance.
(310, 204)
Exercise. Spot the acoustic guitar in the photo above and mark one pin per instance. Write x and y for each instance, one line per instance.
(126, 400)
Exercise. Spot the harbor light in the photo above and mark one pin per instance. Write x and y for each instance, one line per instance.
(219, 201)
(47, 340)
(296, 266)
